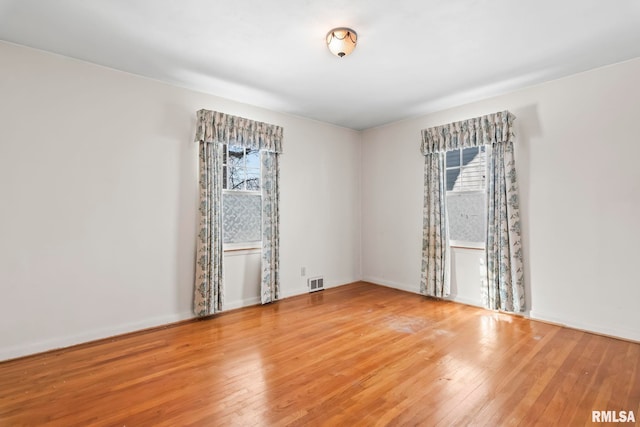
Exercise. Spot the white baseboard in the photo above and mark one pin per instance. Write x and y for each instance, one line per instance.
(247, 302)
(415, 290)
(66, 341)
(624, 333)
(27, 349)
(70, 340)
(301, 290)
(338, 283)
(394, 285)
(616, 332)
(465, 301)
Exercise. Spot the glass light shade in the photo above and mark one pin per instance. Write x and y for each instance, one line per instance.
(341, 41)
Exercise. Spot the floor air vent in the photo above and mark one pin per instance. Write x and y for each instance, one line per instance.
(316, 284)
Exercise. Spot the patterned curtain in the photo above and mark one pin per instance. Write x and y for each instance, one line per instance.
(503, 284)
(270, 285)
(213, 129)
(434, 280)
(209, 293)
(483, 130)
(214, 126)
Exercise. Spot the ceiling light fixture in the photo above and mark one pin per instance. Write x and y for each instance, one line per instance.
(341, 41)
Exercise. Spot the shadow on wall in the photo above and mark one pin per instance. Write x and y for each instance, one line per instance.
(187, 201)
(527, 128)
(467, 265)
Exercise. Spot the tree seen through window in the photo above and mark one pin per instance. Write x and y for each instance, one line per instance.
(241, 198)
(241, 169)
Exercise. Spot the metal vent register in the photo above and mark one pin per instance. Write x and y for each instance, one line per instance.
(316, 284)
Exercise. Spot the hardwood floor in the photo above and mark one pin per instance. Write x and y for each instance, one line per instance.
(356, 355)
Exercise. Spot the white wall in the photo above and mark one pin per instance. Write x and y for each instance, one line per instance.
(578, 162)
(98, 176)
(466, 275)
(98, 194)
(241, 278)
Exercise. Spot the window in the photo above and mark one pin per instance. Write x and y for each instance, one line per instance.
(466, 169)
(241, 168)
(241, 198)
(465, 181)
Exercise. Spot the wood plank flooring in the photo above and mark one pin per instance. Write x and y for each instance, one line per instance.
(359, 354)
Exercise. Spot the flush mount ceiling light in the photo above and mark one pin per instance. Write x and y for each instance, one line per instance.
(341, 41)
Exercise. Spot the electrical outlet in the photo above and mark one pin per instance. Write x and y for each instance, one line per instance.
(303, 271)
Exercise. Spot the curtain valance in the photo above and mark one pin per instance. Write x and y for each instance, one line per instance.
(484, 130)
(214, 126)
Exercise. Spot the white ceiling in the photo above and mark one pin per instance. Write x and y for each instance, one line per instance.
(413, 56)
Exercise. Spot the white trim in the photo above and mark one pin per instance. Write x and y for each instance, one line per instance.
(465, 301)
(243, 247)
(394, 285)
(410, 289)
(249, 192)
(624, 333)
(457, 193)
(305, 288)
(85, 337)
(462, 244)
(247, 302)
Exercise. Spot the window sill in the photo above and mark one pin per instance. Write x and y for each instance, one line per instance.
(242, 248)
(460, 244)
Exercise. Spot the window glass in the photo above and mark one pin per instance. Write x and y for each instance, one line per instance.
(468, 154)
(466, 217)
(452, 177)
(466, 206)
(241, 198)
(453, 158)
(253, 159)
(224, 176)
(242, 169)
(242, 214)
(253, 179)
(467, 173)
